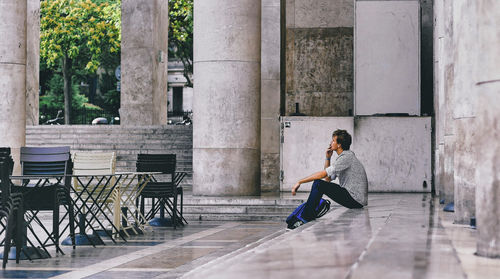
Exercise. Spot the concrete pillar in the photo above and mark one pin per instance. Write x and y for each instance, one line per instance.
(448, 80)
(32, 61)
(438, 98)
(13, 76)
(270, 96)
(144, 53)
(487, 143)
(464, 99)
(227, 74)
(426, 56)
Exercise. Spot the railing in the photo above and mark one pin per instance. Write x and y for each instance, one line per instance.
(85, 116)
(78, 116)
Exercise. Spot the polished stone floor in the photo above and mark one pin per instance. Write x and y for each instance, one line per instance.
(396, 236)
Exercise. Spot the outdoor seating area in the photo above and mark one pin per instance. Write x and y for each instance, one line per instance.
(79, 195)
(409, 230)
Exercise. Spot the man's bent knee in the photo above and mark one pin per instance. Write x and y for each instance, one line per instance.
(316, 183)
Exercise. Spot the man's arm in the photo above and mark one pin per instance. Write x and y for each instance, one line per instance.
(318, 175)
(328, 155)
(327, 164)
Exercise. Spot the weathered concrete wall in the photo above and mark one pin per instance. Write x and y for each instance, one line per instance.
(32, 61)
(387, 50)
(396, 152)
(270, 95)
(227, 73)
(319, 57)
(13, 76)
(144, 62)
(464, 99)
(487, 145)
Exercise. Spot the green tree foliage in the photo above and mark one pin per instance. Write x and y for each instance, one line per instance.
(75, 35)
(180, 31)
(53, 99)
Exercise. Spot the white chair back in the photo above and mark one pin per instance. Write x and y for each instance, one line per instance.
(93, 163)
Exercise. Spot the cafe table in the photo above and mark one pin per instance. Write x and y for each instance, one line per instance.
(96, 197)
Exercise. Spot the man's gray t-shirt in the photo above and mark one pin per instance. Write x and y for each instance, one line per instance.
(352, 175)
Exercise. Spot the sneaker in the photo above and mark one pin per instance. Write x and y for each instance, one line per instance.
(295, 225)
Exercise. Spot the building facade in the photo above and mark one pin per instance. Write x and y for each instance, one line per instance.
(255, 60)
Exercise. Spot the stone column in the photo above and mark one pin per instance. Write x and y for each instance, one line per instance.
(448, 80)
(270, 96)
(144, 62)
(464, 99)
(438, 97)
(13, 76)
(226, 131)
(32, 61)
(487, 145)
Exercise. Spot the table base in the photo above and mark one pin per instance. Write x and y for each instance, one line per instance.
(161, 222)
(34, 253)
(82, 240)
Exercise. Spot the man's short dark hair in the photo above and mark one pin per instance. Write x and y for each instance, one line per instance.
(343, 138)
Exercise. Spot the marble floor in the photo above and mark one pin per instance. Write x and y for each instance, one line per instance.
(396, 236)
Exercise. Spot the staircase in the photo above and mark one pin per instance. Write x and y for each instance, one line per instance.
(127, 142)
(239, 208)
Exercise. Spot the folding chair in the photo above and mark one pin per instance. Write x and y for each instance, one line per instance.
(11, 208)
(46, 195)
(131, 187)
(165, 193)
(98, 189)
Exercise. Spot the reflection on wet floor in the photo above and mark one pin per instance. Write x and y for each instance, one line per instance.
(396, 236)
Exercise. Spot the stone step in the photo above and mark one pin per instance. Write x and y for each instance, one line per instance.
(233, 217)
(151, 148)
(119, 134)
(184, 142)
(127, 161)
(221, 201)
(179, 143)
(233, 209)
(156, 129)
(281, 210)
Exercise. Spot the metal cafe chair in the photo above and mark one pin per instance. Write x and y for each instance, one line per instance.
(94, 183)
(162, 192)
(5, 155)
(11, 209)
(44, 165)
(132, 219)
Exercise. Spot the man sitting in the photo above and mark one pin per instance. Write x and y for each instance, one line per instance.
(353, 189)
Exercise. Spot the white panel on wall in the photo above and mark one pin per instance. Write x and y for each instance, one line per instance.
(387, 57)
(305, 140)
(396, 152)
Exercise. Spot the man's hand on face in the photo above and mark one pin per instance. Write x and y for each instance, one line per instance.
(295, 188)
(329, 152)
